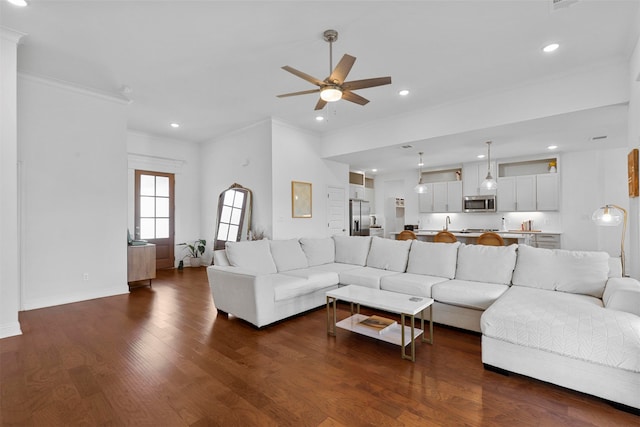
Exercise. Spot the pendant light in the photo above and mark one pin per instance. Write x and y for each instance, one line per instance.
(421, 188)
(489, 183)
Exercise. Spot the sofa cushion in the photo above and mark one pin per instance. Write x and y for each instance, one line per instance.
(577, 272)
(313, 280)
(364, 276)
(490, 264)
(352, 249)
(433, 259)
(388, 254)
(253, 256)
(576, 326)
(318, 251)
(410, 284)
(287, 286)
(287, 254)
(463, 293)
(336, 267)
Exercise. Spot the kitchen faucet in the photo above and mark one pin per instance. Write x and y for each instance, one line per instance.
(447, 222)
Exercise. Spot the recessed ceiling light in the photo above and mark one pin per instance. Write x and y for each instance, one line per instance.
(550, 47)
(19, 3)
(480, 156)
(403, 92)
(374, 170)
(552, 147)
(319, 118)
(175, 125)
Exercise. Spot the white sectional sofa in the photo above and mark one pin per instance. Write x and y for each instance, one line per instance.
(565, 317)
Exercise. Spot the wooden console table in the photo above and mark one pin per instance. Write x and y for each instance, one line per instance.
(141, 265)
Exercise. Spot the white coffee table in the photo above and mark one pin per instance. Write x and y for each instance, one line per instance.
(405, 305)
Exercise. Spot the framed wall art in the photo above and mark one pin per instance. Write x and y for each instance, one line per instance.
(300, 199)
(634, 191)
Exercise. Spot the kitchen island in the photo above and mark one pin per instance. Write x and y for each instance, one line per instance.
(544, 239)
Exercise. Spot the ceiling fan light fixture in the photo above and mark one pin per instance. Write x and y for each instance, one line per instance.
(331, 93)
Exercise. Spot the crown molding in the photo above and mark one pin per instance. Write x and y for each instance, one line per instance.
(96, 93)
(11, 35)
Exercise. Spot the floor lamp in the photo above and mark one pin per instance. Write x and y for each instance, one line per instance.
(612, 216)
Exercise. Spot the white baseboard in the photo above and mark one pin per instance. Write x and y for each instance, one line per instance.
(10, 329)
(75, 297)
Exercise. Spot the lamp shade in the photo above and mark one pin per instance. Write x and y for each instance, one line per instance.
(608, 216)
(489, 183)
(331, 94)
(421, 188)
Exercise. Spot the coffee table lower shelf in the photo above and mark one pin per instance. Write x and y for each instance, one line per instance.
(392, 334)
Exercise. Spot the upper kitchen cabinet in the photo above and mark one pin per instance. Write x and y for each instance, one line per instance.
(528, 186)
(356, 185)
(444, 191)
(472, 176)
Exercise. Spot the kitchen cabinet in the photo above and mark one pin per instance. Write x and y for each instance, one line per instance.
(472, 176)
(547, 192)
(442, 197)
(528, 193)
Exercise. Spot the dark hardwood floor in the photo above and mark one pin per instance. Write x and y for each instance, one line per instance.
(163, 357)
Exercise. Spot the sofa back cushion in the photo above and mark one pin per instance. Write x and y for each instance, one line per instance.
(491, 264)
(433, 259)
(288, 255)
(352, 249)
(388, 254)
(577, 272)
(318, 251)
(252, 256)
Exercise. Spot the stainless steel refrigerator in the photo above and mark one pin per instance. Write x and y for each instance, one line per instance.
(359, 213)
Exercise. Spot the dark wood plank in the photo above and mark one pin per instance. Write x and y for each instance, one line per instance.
(164, 356)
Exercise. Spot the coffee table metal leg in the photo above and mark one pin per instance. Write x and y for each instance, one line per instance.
(424, 339)
(331, 317)
(411, 357)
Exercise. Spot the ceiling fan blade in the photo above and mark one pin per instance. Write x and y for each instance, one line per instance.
(304, 92)
(320, 105)
(350, 96)
(342, 69)
(362, 84)
(304, 76)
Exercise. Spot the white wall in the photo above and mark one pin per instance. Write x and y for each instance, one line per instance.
(296, 157)
(72, 147)
(633, 265)
(182, 158)
(9, 205)
(242, 157)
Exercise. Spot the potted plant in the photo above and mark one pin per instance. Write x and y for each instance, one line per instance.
(194, 251)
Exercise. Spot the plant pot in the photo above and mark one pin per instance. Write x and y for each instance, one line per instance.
(195, 262)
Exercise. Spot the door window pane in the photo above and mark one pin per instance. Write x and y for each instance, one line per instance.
(147, 228)
(223, 231)
(162, 207)
(237, 202)
(147, 206)
(162, 186)
(235, 216)
(147, 185)
(228, 198)
(225, 216)
(233, 233)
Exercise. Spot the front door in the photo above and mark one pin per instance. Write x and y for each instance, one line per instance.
(154, 213)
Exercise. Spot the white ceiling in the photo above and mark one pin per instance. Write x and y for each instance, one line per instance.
(214, 66)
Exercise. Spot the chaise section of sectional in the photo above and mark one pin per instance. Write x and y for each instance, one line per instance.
(553, 325)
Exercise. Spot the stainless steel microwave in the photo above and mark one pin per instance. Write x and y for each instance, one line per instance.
(485, 203)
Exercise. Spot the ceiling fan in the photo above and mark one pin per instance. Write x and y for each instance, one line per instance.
(334, 87)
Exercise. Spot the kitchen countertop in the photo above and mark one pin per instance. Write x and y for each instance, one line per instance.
(508, 234)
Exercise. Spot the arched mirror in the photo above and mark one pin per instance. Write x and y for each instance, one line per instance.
(234, 216)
